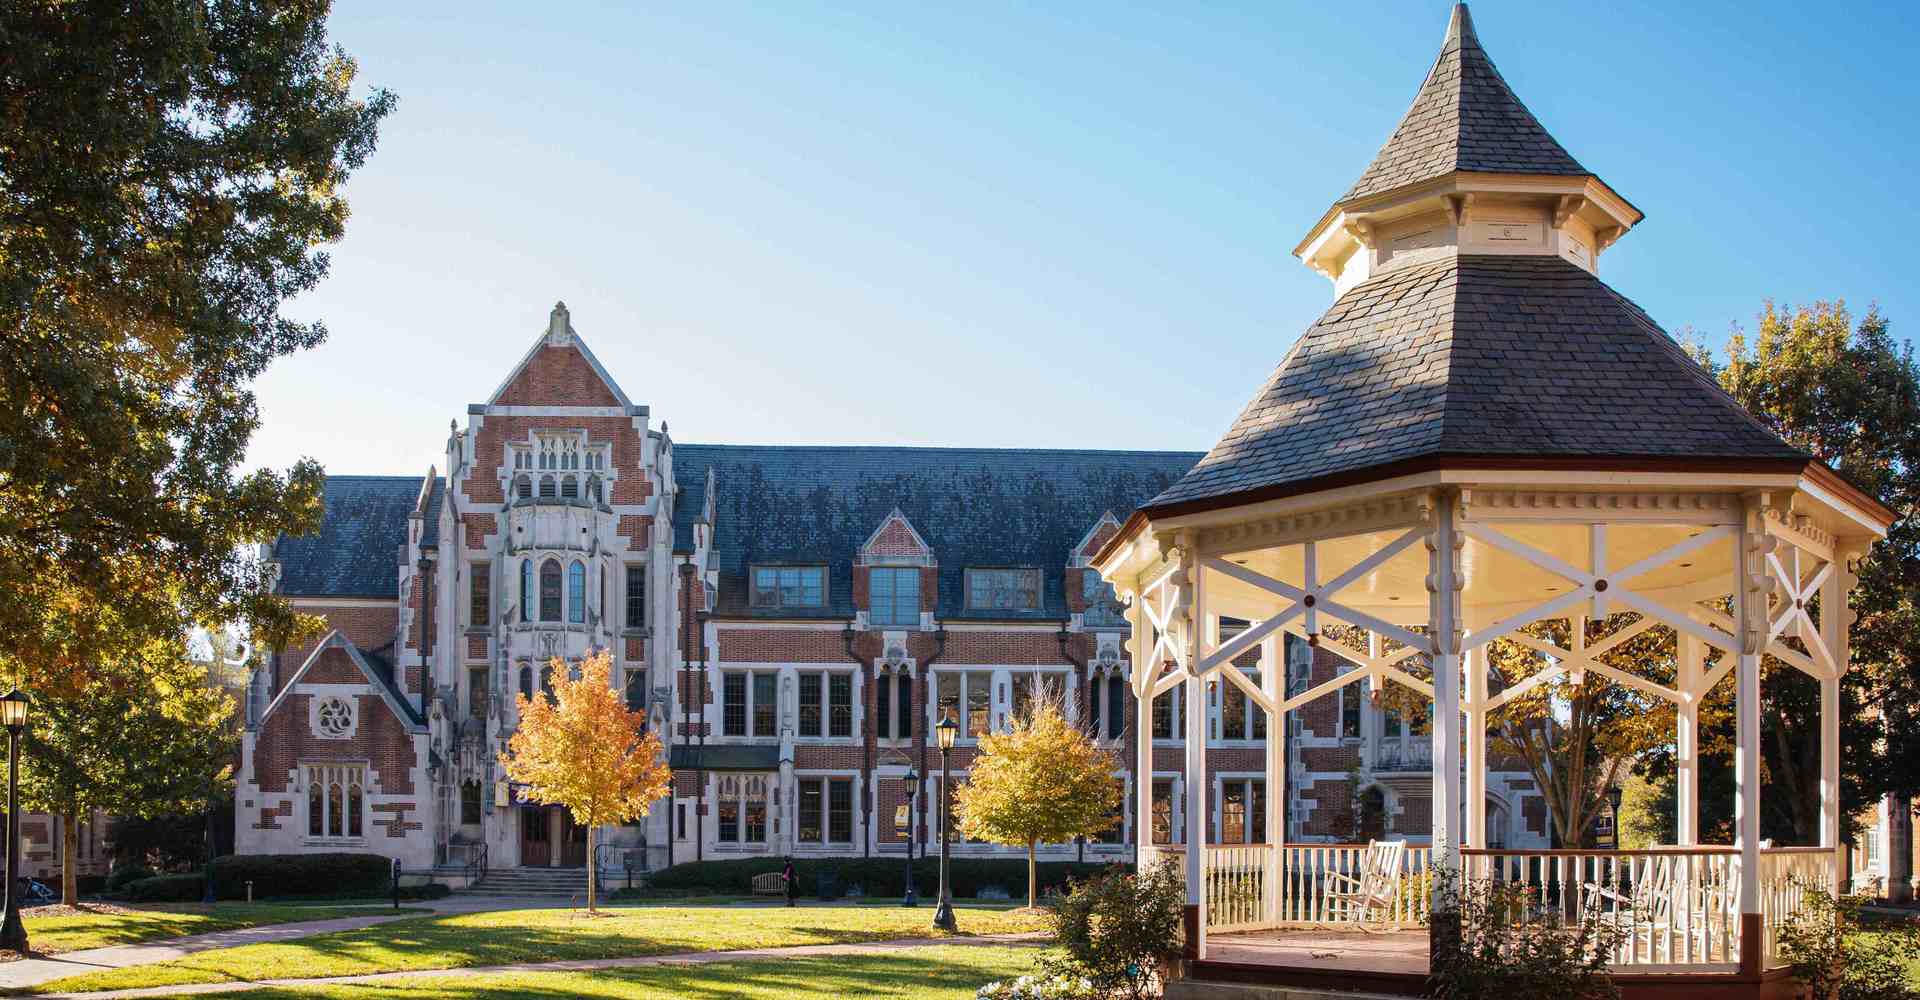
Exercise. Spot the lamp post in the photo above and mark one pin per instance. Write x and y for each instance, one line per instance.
(913, 897)
(943, 913)
(1613, 799)
(13, 715)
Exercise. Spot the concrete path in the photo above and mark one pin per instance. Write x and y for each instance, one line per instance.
(577, 965)
(34, 971)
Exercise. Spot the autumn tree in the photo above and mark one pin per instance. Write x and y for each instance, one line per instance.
(581, 748)
(145, 734)
(1041, 781)
(169, 172)
(1849, 393)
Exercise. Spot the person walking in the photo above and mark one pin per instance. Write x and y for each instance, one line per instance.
(793, 882)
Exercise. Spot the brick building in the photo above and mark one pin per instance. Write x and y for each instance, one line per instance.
(835, 600)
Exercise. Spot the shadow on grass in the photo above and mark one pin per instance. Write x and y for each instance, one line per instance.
(910, 973)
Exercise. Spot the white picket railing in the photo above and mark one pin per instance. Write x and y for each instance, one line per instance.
(1787, 874)
(1674, 907)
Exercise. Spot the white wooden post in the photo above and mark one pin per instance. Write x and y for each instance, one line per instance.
(1443, 616)
(1836, 621)
(1476, 700)
(1752, 584)
(1686, 791)
(1195, 712)
(1139, 652)
(1273, 682)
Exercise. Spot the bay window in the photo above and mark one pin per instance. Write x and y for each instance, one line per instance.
(550, 591)
(577, 593)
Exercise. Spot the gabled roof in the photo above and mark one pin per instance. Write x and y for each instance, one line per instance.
(378, 673)
(1465, 117)
(356, 551)
(1482, 357)
(579, 374)
(973, 507)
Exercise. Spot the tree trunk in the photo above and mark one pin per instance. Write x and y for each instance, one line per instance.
(592, 869)
(69, 874)
(1033, 877)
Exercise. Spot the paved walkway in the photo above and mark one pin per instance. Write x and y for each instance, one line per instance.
(34, 971)
(577, 965)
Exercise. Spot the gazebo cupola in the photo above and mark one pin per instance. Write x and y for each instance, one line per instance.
(1468, 170)
(1482, 448)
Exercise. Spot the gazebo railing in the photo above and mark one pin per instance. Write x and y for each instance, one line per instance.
(1787, 874)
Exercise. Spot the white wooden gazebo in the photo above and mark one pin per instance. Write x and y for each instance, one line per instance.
(1479, 435)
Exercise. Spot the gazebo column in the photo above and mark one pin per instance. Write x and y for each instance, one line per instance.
(1752, 584)
(1476, 700)
(1836, 622)
(1194, 715)
(1686, 791)
(1273, 677)
(1144, 673)
(1444, 543)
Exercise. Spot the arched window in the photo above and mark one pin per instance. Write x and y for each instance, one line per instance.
(523, 487)
(546, 487)
(577, 593)
(316, 812)
(550, 591)
(593, 488)
(526, 682)
(470, 803)
(353, 809)
(570, 487)
(546, 680)
(526, 591)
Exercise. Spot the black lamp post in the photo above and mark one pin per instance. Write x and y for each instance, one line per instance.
(13, 715)
(913, 896)
(943, 913)
(1613, 799)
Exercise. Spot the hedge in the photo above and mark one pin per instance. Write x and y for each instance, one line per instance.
(279, 876)
(874, 876)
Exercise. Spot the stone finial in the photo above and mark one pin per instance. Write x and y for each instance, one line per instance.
(559, 324)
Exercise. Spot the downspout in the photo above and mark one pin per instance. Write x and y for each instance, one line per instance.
(1080, 671)
(926, 698)
(847, 635)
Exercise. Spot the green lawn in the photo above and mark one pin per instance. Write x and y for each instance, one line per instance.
(936, 973)
(152, 922)
(508, 936)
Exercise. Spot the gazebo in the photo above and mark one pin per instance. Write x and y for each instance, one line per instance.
(1480, 434)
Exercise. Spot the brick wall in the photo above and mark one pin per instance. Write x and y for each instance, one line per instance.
(370, 627)
(557, 376)
(784, 645)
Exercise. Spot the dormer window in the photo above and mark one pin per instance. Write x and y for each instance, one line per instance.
(893, 594)
(1013, 589)
(789, 587)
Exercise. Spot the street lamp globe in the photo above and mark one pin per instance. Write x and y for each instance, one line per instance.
(13, 709)
(947, 730)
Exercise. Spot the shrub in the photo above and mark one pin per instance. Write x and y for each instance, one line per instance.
(877, 876)
(89, 885)
(306, 875)
(188, 888)
(1835, 957)
(1507, 951)
(1122, 930)
(430, 890)
(118, 878)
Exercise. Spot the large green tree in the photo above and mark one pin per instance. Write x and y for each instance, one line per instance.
(147, 733)
(1849, 393)
(168, 174)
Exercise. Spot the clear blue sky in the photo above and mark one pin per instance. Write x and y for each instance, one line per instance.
(1015, 226)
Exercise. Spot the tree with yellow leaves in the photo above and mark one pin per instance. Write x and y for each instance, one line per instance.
(580, 748)
(1042, 781)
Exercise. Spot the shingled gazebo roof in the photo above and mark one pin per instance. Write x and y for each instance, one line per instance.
(1464, 118)
(1469, 357)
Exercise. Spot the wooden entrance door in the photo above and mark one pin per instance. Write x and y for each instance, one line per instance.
(536, 837)
(573, 842)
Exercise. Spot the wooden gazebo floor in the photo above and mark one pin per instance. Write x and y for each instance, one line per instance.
(1393, 952)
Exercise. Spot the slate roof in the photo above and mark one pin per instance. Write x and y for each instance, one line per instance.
(975, 507)
(1518, 356)
(1465, 117)
(356, 552)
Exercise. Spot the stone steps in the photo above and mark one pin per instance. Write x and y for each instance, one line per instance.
(1194, 989)
(558, 882)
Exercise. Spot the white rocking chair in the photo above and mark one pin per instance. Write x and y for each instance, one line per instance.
(1368, 898)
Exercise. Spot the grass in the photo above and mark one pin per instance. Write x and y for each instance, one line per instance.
(115, 925)
(929, 973)
(508, 936)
